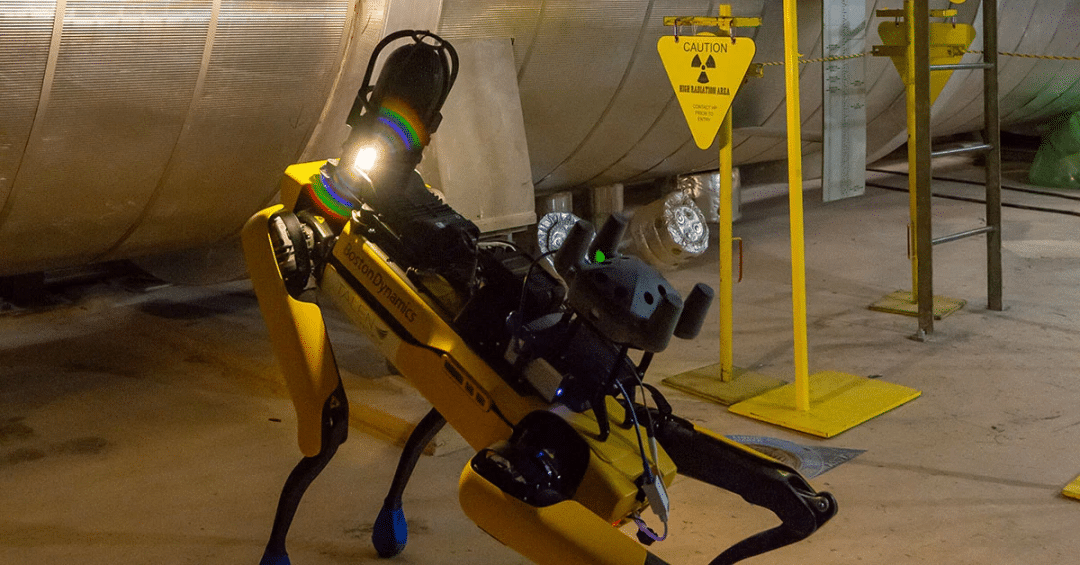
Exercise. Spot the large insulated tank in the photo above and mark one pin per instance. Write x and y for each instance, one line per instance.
(132, 127)
(139, 127)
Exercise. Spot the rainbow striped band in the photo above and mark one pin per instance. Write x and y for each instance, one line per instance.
(328, 200)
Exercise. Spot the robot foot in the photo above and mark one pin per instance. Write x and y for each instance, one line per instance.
(274, 558)
(390, 533)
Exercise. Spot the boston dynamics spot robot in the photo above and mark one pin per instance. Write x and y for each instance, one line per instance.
(528, 360)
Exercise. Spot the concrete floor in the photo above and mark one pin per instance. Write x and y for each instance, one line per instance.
(150, 426)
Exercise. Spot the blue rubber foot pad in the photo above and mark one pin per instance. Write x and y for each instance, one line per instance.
(275, 559)
(390, 532)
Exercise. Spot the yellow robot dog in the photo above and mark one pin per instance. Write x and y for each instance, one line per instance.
(531, 366)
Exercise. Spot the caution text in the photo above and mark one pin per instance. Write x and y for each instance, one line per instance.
(715, 90)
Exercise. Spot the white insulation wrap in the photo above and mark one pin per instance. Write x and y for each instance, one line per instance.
(139, 127)
(130, 127)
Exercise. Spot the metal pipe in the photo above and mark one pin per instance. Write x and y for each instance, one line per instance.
(962, 235)
(960, 67)
(918, 14)
(961, 150)
(727, 357)
(798, 246)
(993, 158)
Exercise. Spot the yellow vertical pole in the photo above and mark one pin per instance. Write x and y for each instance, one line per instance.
(727, 357)
(727, 360)
(913, 184)
(798, 247)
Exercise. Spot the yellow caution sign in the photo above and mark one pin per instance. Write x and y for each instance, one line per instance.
(706, 72)
(948, 43)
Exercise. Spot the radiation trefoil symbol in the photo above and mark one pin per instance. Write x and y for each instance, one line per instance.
(709, 63)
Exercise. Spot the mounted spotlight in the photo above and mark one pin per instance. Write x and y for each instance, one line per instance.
(365, 159)
(375, 181)
(392, 122)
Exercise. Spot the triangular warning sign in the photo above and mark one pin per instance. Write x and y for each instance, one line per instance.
(706, 72)
(948, 42)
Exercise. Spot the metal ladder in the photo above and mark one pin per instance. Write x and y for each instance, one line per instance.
(921, 153)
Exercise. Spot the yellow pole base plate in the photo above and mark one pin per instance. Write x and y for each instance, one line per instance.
(838, 402)
(705, 382)
(903, 302)
(1072, 490)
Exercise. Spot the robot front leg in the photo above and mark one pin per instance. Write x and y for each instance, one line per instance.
(390, 532)
(335, 429)
(760, 480)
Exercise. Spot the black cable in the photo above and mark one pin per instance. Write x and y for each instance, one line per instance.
(650, 430)
(637, 430)
(639, 373)
(977, 201)
(521, 303)
(495, 408)
(643, 529)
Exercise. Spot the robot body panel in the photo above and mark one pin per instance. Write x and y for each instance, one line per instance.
(472, 397)
(369, 267)
(564, 533)
(609, 488)
(296, 176)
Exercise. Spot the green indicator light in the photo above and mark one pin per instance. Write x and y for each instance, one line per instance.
(600, 257)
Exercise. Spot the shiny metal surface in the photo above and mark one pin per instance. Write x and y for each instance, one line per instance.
(1031, 90)
(24, 52)
(265, 79)
(149, 124)
(103, 127)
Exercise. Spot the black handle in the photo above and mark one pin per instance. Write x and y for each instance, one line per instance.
(571, 256)
(694, 310)
(607, 241)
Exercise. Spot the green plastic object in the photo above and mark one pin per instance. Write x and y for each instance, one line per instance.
(1057, 162)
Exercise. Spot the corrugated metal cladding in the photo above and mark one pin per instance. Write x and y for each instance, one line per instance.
(24, 50)
(136, 126)
(1031, 89)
